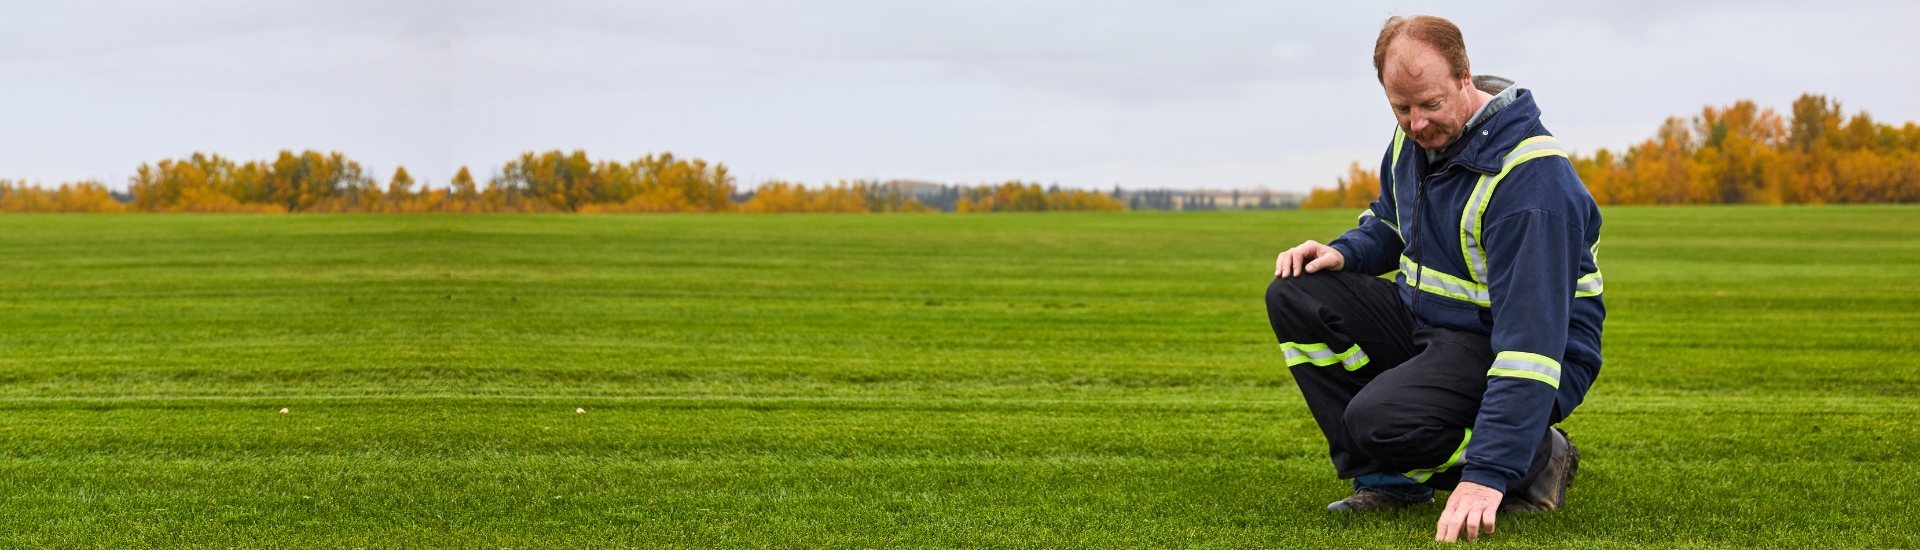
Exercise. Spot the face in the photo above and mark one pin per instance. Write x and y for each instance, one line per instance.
(1430, 104)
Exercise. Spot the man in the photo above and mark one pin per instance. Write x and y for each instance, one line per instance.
(1438, 341)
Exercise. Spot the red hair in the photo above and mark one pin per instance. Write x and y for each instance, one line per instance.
(1437, 33)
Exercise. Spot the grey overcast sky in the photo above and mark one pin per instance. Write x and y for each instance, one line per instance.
(1083, 93)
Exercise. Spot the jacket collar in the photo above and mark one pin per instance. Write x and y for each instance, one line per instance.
(1487, 146)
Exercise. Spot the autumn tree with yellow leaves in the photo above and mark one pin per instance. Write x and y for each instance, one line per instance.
(553, 181)
(1017, 196)
(90, 197)
(1737, 154)
(1357, 189)
(1742, 153)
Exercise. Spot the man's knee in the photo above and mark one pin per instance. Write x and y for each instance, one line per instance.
(1296, 292)
(1280, 294)
(1385, 429)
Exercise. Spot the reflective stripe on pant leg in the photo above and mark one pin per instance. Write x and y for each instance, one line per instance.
(1320, 356)
(1459, 456)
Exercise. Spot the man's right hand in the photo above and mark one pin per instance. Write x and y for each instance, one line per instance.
(1309, 257)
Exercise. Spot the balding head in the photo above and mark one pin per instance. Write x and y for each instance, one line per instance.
(1421, 61)
(1437, 34)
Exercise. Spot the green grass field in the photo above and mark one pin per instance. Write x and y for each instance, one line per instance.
(988, 381)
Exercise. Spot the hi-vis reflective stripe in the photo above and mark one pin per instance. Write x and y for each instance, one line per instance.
(1459, 456)
(1368, 213)
(1320, 356)
(1432, 280)
(1393, 169)
(1473, 218)
(1531, 366)
(1399, 136)
(1589, 286)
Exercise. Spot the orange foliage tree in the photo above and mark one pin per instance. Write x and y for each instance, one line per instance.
(780, 196)
(1355, 190)
(202, 183)
(571, 182)
(1017, 196)
(1742, 153)
(844, 197)
(1735, 154)
(553, 181)
(82, 197)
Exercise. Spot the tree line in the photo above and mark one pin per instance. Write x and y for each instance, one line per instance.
(554, 181)
(1734, 154)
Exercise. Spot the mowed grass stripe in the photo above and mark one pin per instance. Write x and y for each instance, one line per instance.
(1720, 429)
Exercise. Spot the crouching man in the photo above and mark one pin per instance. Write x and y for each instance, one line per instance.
(1439, 341)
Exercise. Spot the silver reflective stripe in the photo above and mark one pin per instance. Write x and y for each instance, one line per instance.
(1453, 289)
(1459, 456)
(1393, 167)
(1548, 143)
(1476, 205)
(1368, 213)
(1472, 294)
(1320, 355)
(1472, 217)
(1529, 366)
(1589, 285)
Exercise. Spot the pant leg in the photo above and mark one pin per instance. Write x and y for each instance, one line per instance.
(1417, 419)
(1338, 331)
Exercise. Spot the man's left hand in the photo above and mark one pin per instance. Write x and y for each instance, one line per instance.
(1470, 506)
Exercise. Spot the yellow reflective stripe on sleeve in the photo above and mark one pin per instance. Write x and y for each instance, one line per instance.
(1589, 286)
(1435, 282)
(1459, 456)
(1473, 217)
(1318, 355)
(1368, 213)
(1390, 275)
(1531, 366)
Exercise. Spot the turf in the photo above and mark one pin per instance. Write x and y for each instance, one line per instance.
(1007, 381)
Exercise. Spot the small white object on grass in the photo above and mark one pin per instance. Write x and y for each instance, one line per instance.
(283, 410)
(580, 411)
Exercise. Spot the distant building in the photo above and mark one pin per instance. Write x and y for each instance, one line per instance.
(1207, 199)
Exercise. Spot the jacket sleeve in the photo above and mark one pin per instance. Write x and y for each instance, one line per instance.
(1533, 262)
(1373, 248)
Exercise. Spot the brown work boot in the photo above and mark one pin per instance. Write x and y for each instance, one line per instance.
(1549, 489)
(1366, 500)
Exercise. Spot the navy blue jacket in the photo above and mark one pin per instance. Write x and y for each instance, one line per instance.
(1507, 238)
